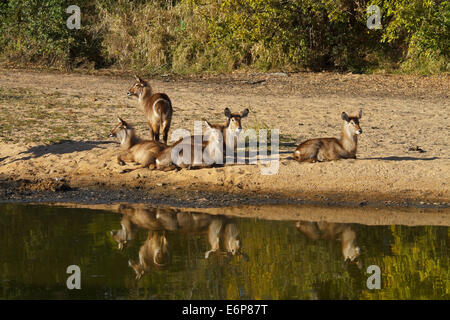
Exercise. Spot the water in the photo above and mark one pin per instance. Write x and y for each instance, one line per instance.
(272, 260)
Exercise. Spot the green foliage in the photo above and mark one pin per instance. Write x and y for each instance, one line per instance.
(190, 36)
(424, 28)
(35, 32)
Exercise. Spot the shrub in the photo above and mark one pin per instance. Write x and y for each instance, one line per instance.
(190, 36)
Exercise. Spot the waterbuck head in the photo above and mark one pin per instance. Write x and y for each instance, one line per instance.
(121, 237)
(213, 134)
(138, 87)
(352, 254)
(351, 124)
(122, 131)
(234, 120)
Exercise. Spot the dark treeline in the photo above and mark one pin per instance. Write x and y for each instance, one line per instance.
(191, 36)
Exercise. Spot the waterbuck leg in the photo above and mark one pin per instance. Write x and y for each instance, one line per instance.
(165, 126)
(124, 157)
(151, 135)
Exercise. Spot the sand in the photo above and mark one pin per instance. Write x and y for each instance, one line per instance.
(54, 127)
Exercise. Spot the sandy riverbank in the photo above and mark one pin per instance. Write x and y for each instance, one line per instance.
(54, 137)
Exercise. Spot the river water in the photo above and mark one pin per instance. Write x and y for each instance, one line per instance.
(168, 254)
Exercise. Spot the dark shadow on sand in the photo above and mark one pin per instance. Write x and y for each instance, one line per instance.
(395, 158)
(291, 146)
(62, 147)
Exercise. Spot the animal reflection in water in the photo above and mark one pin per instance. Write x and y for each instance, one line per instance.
(333, 231)
(155, 250)
(222, 233)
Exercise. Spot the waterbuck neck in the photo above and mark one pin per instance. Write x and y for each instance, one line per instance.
(348, 140)
(145, 94)
(348, 235)
(348, 238)
(214, 147)
(128, 139)
(230, 136)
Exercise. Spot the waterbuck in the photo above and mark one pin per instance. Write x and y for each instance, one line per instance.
(157, 108)
(333, 231)
(194, 151)
(231, 129)
(154, 251)
(226, 232)
(222, 232)
(328, 149)
(135, 149)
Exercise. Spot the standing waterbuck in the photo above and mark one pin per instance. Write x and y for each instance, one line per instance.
(157, 108)
(135, 149)
(327, 149)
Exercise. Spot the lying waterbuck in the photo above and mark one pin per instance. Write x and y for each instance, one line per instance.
(135, 149)
(216, 142)
(327, 149)
(194, 151)
(222, 232)
(333, 231)
(157, 108)
(231, 129)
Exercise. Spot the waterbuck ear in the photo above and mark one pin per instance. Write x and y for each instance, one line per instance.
(123, 122)
(244, 113)
(344, 116)
(208, 124)
(120, 120)
(360, 114)
(227, 113)
(138, 79)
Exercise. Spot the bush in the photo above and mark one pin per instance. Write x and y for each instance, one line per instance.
(190, 36)
(35, 32)
(423, 29)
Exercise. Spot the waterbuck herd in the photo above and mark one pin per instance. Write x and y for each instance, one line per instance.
(221, 231)
(209, 149)
(214, 143)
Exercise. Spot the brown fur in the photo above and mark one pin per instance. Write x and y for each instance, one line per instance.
(230, 128)
(126, 234)
(328, 149)
(225, 232)
(157, 108)
(333, 231)
(211, 143)
(222, 232)
(154, 251)
(135, 149)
